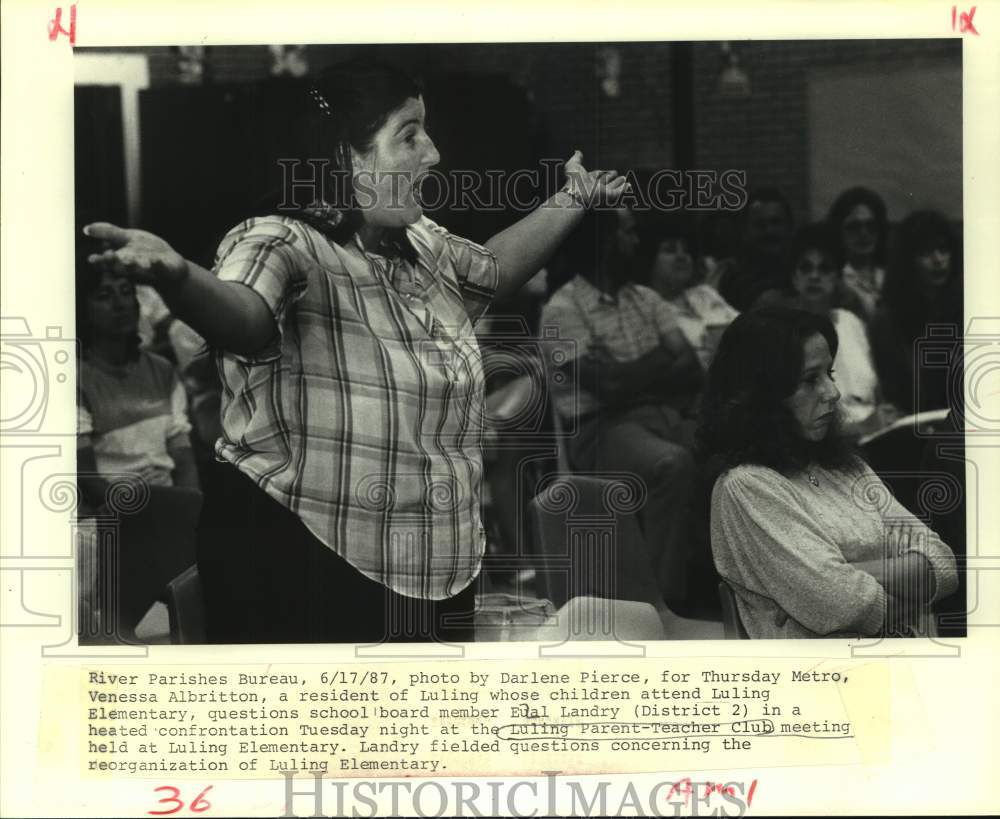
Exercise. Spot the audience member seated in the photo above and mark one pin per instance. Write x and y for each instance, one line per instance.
(154, 322)
(718, 240)
(755, 276)
(516, 413)
(809, 538)
(161, 333)
(132, 407)
(667, 266)
(923, 288)
(814, 282)
(636, 379)
(860, 227)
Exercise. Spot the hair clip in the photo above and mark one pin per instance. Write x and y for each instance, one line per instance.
(320, 100)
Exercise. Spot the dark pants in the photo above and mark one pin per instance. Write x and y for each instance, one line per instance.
(653, 443)
(268, 579)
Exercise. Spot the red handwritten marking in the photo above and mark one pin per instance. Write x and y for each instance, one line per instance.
(685, 788)
(56, 28)
(965, 23)
(180, 804)
(681, 788)
(199, 799)
(199, 805)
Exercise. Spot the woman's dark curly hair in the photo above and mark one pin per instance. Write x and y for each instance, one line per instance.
(844, 204)
(653, 228)
(757, 365)
(342, 109)
(817, 236)
(902, 299)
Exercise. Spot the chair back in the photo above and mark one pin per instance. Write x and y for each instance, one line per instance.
(155, 543)
(588, 540)
(732, 626)
(186, 606)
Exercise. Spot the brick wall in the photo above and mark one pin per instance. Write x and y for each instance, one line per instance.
(765, 134)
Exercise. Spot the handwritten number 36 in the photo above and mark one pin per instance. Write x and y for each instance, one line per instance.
(199, 805)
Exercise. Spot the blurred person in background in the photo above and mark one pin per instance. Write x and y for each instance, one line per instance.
(637, 384)
(667, 264)
(132, 407)
(859, 224)
(814, 279)
(755, 275)
(923, 288)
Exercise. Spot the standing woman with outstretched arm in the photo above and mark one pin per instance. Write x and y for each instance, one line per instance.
(345, 504)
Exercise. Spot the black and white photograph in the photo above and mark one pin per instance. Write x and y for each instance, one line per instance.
(524, 409)
(477, 342)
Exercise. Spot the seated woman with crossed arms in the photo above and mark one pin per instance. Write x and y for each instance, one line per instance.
(809, 538)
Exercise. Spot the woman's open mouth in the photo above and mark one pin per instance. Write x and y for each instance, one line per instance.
(415, 186)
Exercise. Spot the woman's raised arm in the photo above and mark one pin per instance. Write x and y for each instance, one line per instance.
(524, 247)
(228, 315)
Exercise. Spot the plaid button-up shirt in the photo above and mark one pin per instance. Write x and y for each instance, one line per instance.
(628, 325)
(365, 416)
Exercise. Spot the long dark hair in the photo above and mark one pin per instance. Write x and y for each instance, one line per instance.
(757, 365)
(902, 299)
(342, 109)
(843, 205)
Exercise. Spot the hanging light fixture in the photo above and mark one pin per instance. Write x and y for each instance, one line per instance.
(609, 69)
(733, 80)
(191, 64)
(290, 60)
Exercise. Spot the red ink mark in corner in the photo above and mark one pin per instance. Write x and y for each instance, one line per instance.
(56, 28)
(681, 788)
(965, 21)
(753, 787)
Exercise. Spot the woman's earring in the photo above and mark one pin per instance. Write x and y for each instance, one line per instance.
(342, 157)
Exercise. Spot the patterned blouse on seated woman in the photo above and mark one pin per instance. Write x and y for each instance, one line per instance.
(809, 538)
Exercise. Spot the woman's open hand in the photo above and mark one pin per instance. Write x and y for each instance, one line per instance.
(137, 255)
(594, 187)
